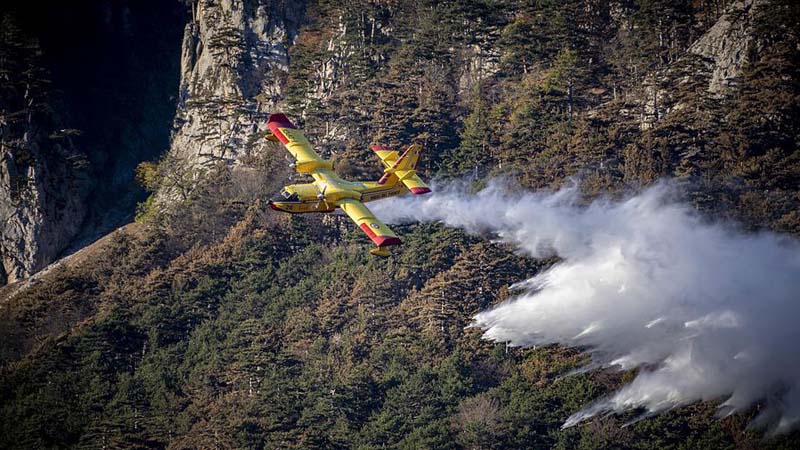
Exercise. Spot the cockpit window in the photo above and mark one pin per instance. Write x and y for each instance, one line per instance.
(292, 197)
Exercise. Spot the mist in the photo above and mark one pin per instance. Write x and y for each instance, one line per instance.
(706, 311)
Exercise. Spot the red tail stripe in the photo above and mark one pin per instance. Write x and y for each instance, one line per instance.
(401, 158)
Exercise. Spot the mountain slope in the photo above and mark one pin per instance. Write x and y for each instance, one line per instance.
(270, 339)
(216, 323)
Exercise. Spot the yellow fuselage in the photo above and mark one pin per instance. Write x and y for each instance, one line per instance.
(327, 190)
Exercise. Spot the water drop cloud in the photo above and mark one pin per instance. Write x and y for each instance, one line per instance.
(711, 312)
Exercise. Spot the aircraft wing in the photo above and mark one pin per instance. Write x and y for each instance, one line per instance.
(380, 234)
(307, 160)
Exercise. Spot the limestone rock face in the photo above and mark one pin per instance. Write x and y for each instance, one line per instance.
(482, 61)
(234, 58)
(716, 58)
(725, 44)
(41, 205)
(43, 181)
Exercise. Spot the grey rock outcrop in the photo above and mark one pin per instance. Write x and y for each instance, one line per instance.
(715, 59)
(234, 58)
(725, 44)
(41, 206)
(43, 182)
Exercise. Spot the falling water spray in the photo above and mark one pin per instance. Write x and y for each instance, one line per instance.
(707, 312)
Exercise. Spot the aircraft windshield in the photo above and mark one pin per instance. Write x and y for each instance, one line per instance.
(290, 196)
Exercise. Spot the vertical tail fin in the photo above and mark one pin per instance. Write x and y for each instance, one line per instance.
(402, 169)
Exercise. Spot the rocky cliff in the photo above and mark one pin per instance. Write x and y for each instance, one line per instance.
(377, 72)
(226, 325)
(233, 65)
(726, 44)
(88, 92)
(43, 177)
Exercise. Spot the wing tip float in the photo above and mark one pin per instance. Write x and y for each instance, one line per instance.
(332, 192)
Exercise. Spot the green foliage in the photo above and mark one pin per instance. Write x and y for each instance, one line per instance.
(295, 348)
(478, 143)
(220, 324)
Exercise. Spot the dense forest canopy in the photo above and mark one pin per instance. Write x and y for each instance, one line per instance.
(216, 323)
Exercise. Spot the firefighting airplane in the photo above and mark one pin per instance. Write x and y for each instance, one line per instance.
(329, 191)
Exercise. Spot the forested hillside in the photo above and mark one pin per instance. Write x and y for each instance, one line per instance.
(609, 92)
(214, 322)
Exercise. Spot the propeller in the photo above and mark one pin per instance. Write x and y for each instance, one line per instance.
(321, 196)
(291, 161)
(291, 165)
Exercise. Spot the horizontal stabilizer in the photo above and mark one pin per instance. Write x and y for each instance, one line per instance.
(413, 182)
(402, 169)
(387, 155)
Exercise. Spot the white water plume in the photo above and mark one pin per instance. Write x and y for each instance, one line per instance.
(707, 312)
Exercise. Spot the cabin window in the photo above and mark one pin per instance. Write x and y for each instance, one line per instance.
(292, 197)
